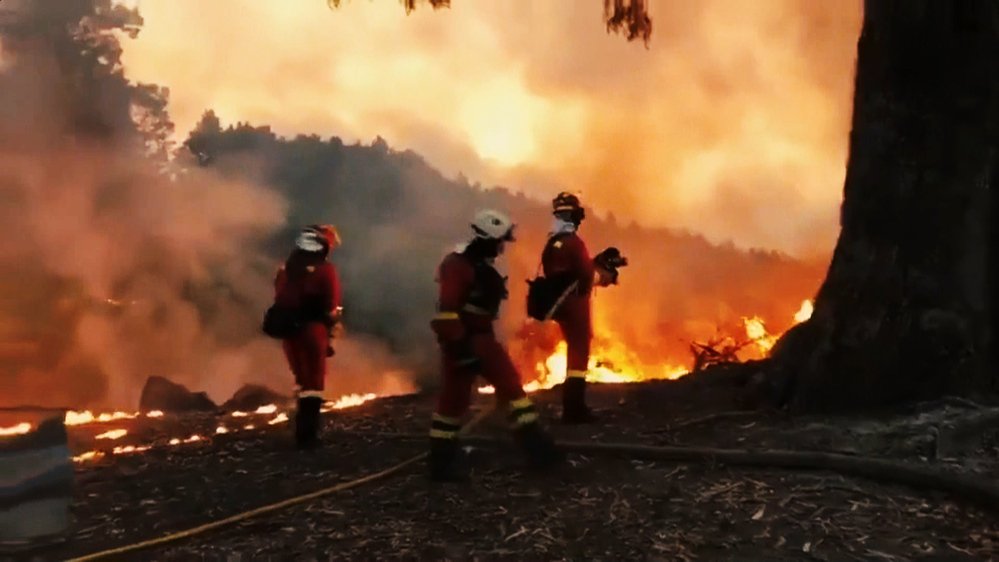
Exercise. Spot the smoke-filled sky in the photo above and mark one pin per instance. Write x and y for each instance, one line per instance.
(733, 123)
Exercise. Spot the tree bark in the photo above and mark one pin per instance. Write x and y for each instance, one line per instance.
(904, 313)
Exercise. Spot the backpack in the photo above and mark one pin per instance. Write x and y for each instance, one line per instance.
(281, 322)
(545, 295)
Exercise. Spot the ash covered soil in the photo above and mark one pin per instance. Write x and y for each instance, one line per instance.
(595, 508)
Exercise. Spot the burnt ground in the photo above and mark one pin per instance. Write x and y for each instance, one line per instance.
(594, 509)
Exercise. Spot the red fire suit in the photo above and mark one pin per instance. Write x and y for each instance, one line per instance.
(318, 295)
(469, 299)
(565, 257)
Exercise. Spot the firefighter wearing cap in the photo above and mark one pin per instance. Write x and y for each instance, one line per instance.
(470, 294)
(309, 284)
(566, 258)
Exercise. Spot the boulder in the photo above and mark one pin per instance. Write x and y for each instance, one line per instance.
(252, 396)
(165, 395)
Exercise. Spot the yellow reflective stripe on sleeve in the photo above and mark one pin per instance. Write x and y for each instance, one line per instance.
(446, 316)
(310, 394)
(476, 310)
(443, 434)
(519, 403)
(575, 374)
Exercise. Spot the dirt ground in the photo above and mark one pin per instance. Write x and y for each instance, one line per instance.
(593, 509)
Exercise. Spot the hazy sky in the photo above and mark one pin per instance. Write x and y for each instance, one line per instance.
(733, 123)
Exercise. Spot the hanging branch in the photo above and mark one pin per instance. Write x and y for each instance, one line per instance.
(627, 17)
(410, 5)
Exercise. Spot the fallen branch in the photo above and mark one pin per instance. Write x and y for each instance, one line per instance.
(965, 486)
(734, 415)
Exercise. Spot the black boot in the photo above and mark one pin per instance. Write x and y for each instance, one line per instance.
(307, 422)
(446, 460)
(538, 446)
(574, 408)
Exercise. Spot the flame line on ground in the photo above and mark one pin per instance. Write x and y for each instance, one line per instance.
(343, 402)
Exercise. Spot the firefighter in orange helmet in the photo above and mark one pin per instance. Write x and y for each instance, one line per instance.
(309, 286)
(565, 258)
(470, 294)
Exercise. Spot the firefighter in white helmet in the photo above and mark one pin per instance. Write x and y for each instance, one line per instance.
(470, 294)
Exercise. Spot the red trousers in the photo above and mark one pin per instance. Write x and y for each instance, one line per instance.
(497, 368)
(574, 319)
(306, 354)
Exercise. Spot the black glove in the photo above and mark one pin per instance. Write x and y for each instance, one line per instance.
(609, 260)
(463, 355)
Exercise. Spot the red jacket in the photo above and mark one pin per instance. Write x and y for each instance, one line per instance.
(565, 256)
(317, 293)
(469, 297)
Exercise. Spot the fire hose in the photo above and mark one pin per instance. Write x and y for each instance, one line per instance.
(975, 489)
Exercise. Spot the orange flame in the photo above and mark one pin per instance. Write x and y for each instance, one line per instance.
(113, 434)
(85, 417)
(18, 429)
(348, 401)
(611, 361)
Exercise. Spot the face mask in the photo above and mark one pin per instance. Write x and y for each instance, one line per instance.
(561, 225)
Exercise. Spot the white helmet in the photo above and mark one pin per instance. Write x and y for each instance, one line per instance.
(318, 237)
(493, 225)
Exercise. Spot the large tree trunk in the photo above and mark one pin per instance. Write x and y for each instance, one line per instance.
(904, 311)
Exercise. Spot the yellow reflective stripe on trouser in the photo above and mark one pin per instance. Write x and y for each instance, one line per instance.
(444, 427)
(526, 418)
(446, 316)
(522, 411)
(310, 393)
(445, 419)
(443, 434)
(519, 403)
(575, 374)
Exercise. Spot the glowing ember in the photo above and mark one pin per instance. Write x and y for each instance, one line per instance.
(238, 414)
(268, 409)
(193, 439)
(348, 401)
(122, 450)
(280, 418)
(89, 455)
(18, 429)
(249, 426)
(805, 312)
(154, 414)
(220, 430)
(113, 434)
(174, 441)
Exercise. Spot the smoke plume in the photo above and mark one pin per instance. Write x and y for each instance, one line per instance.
(119, 264)
(732, 123)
